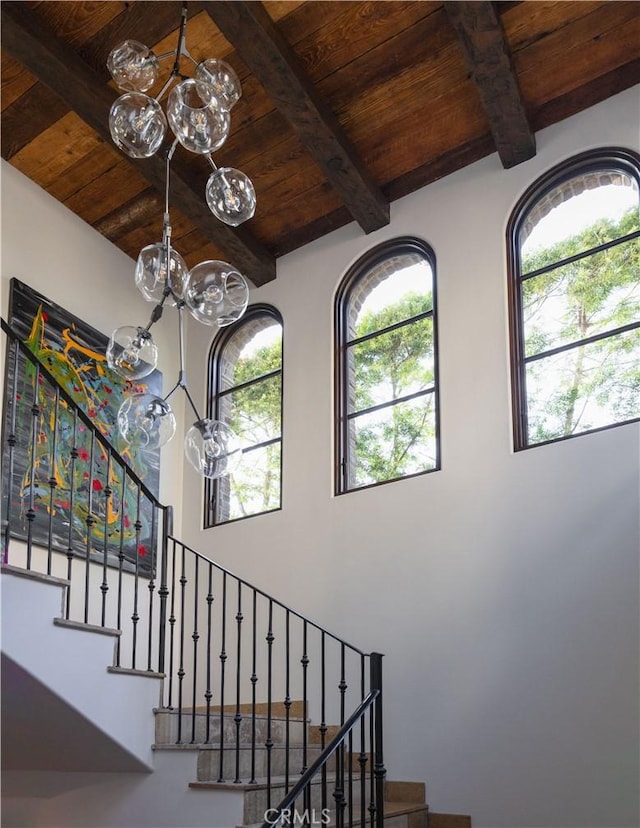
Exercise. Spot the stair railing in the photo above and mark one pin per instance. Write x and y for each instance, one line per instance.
(245, 675)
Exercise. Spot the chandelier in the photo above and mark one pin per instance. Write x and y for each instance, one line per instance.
(214, 292)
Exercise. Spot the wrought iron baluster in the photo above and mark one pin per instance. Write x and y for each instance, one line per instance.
(254, 681)
(323, 717)
(238, 717)
(52, 478)
(11, 442)
(172, 622)
(305, 665)
(123, 501)
(223, 661)
(362, 757)
(181, 670)
(379, 771)
(90, 520)
(350, 776)
(152, 584)
(342, 687)
(372, 781)
(72, 466)
(163, 592)
(287, 698)
(104, 586)
(269, 741)
(208, 695)
(31, 512)
(135, 617)
(195, 636)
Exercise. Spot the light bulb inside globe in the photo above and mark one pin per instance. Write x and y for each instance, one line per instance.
(222, 78)
(137, 124)
(212, 448)
(151, 273)
(230, 196)
(131, 352)
(146, 421)
(133, 66)
(197, 117)
(216, 293)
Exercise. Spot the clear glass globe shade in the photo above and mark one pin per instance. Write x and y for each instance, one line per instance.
(132, 353)
(212, 448)
(137, 124)
(146, 421)
(133, 66)
(216, 293)
(197, 118)
(230, 196)
(223, 79)
(151, 273)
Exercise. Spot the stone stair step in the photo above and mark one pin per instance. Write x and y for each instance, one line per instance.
(167, 727)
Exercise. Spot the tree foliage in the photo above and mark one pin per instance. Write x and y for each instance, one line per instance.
(595, 383)
(399, 438)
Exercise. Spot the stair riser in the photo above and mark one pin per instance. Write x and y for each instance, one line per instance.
(209, 763)
(256, 802)
(167, 730)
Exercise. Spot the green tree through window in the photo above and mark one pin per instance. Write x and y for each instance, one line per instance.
(577, 304)
(387, 400)
(246, 375)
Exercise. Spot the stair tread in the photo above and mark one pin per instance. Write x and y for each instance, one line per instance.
(230, 746)
(261, 783)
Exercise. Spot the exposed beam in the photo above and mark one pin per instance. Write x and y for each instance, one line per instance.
(80, 87)
(487, 54)
(257, 40)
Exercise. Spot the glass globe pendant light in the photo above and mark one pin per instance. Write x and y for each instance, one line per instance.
(133, 66)
(212, 448)
(230, 195)
(197, 117)
(146, 421)
(223, 79)
(151, 273)
(132, 353)
(214, 292)
(137, 124)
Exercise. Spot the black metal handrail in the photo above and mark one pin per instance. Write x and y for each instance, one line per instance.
(249, 702)
(281, 814)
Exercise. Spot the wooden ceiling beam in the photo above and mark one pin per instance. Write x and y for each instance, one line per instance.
(259, 43)
(487, 54)
(80, 87)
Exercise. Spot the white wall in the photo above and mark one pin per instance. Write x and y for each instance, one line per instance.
(50, 249)
(504, 588)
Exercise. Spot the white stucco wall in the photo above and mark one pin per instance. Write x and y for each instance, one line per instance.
(50, 249)
(502, 589)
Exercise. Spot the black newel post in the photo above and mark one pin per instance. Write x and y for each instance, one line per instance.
(379, 771)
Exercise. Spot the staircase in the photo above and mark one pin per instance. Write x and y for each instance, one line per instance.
(146, 686)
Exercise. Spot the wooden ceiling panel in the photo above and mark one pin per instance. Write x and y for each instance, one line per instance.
(99, 160)
(56, 149)
(590, 46)
(76, 23)
(389, 75)
(527, 23)
(370, 25)
(103, 194)
(16, 80)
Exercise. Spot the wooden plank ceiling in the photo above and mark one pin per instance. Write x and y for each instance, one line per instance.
(346, 106)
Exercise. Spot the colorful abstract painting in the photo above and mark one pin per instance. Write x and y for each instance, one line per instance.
(75, 487)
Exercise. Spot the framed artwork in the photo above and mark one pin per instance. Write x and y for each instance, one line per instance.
(87, 483)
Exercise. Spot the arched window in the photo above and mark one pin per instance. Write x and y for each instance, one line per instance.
(386, 367)
(574, 284)
(245, 391)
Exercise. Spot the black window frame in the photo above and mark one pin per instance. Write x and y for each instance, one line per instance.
(605, 160)
(214, 393)
(356, 273)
